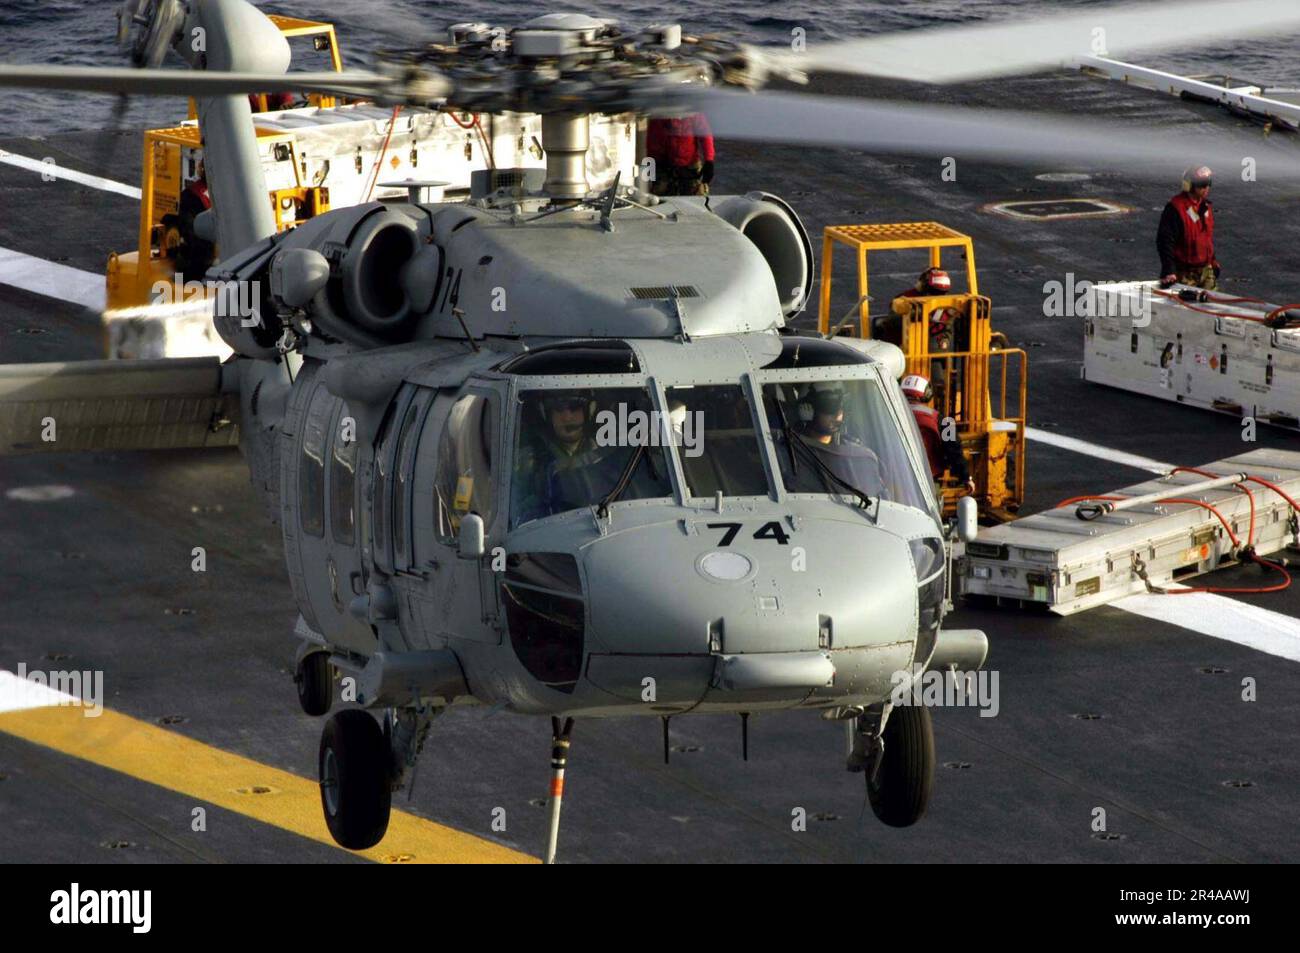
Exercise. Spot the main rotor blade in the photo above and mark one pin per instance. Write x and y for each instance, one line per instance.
(992, 134)
(184, 82)
(1005, 48)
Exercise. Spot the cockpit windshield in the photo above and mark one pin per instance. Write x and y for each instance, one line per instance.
(586, 447)
(839, 437)
(713, 430)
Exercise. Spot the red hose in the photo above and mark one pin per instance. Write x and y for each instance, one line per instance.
(1266, 319)
(1236, 542)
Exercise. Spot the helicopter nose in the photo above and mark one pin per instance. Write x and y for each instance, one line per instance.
(828, 585)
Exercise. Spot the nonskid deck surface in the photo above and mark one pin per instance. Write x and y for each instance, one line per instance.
(1184, 768)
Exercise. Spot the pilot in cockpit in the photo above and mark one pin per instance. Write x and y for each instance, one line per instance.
(557, 437)
(824, 431)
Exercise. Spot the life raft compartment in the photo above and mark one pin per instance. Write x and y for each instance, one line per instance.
(1066, 564)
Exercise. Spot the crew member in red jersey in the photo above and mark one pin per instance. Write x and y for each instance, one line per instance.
(682, 150)
(1185, 240)
(941, 454)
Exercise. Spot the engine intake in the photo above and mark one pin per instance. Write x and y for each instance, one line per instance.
(772, 225)
(349, 270)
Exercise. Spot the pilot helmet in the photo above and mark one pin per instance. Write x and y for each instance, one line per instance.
(568, 400)
(821, 397)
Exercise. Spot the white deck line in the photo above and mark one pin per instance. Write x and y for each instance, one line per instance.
(1096, 450)
(48, 278)
(68, 175)
(1222, 618)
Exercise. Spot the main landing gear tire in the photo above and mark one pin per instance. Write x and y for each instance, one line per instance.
(315, 683)
(901, 790)
(355, 790)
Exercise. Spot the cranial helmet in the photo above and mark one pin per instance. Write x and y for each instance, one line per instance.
(916, 388)
(935, 280)
(1196, 177)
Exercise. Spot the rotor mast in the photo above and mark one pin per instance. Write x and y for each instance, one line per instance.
(565, 140)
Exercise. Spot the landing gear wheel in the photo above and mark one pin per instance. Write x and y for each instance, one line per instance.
(901, 789)
(355, 790)
(315, 683)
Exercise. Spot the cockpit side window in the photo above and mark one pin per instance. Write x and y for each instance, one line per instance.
(579, 447)
(464, 481)
(829, 433)
(713, 429)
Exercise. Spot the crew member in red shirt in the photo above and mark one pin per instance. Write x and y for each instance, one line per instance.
(682, 150)
(192, 255)
(941, 454)
(270, 102)
(1185, 240)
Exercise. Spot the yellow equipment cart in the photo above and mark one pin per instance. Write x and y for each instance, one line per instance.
(171, 160)
(980, 386)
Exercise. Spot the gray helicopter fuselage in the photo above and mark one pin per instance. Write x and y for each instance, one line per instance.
(577, 611)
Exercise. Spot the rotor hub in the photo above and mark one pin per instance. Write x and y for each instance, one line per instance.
(570, 63)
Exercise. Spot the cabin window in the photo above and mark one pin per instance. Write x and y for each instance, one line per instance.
(407, 439)
(464, 481)
(380, 488)
(343, 480)
(804, 351)
(713, 429)
(575, 357)
(311, 466)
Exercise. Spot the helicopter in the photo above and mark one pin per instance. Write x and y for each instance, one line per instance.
(420, 392)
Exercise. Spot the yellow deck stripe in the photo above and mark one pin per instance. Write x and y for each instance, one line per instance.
(172, 761)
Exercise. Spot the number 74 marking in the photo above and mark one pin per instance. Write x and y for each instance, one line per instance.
(772, 530)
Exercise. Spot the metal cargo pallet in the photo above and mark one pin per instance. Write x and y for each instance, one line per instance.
(1082, 555)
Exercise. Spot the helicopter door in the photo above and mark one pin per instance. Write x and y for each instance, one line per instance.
(466, 480)
(381, 499)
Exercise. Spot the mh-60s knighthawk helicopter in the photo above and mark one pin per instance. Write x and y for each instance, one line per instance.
(418, 389)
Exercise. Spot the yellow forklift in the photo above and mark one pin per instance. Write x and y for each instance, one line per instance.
(171, 161)
(980, 384)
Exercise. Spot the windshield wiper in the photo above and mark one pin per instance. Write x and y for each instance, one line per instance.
(624, 480)
(826, 473)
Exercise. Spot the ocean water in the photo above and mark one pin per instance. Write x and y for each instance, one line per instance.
(82, 32)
